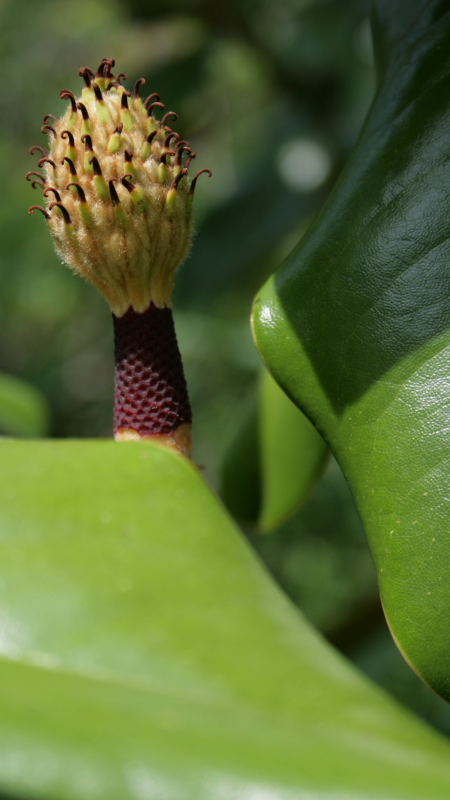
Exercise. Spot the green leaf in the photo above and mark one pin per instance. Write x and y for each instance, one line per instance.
(145, 653)
(355, 328)
(274, 460)
(23, 409)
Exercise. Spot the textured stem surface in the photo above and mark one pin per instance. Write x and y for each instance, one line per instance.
(151, 396)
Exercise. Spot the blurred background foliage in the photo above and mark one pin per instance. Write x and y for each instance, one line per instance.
(272, 95)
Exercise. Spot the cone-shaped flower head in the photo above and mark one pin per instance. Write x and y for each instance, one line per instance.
(118, 199)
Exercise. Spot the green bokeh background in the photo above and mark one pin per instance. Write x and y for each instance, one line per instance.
(271, 96)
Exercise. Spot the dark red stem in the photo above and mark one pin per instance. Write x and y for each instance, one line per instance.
(150, 388)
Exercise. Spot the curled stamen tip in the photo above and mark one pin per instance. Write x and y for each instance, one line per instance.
(79, 189)
(32, 209)
(68, 135)
(55, 192)
(49, 116)
(38, 183)
(152, 106)
(71, 165)
(83, 109)
(140, 82)
(196, 177)
(87, 140)
(37, 174)
(154, 96)
(122, 76)
(96, 165)
(65, 213)
(46, 128)
(66, 93)
(128, 155)
(169, 137)
(169, 114)
(127, 181)
(46, 161)
(38, 147)
(87, 75)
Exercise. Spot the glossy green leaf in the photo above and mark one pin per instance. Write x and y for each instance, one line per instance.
(273, 461)
(355, 328)
(145, 653)
(23, 409)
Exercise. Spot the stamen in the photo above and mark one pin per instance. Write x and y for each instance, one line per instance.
(151, 136)
(38, 174)
(112, 190)
(79, 189)
(124, 100)
(38, 183)
(46, 128)
(128, 185)
(97, 91)
(55, 192)
(83, 110)
(66, 93)
(196, 177)
(178, 178)
(104, 69)
(71, 165)
(46, 161)
(44, 211)
(96, 165)
(87, 75)
(37, 147)
(154, 96)
(189, 159)
(152, 106)
(87, 141)
(68, 135)
(169, 137)
(119, 128)
(65, 213)
(184, 148)
(122, 76)
(166, 117)
(164, 155)
(140, 82)
(128, 156)
(49, 116)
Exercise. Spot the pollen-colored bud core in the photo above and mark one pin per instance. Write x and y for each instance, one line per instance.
(118, 197)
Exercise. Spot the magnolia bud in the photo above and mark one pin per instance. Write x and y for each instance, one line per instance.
(118, 200)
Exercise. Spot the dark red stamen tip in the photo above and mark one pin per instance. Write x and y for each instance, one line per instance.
(87, 75)
(83, 110)
(38, 183)
(39, 208)
(128, 156)
(87, 141)
(49, 116)
(190, 157)
(169, 137)
(80, 191)
(196, 177)
(122, 76)
(178, 178)
(140, 82)
(37, 147)
(104, 69)
(46, 128)
(65, 213)
(112, 190)
(68, 135)
(164, 155)
(128, 185)
(151, 136)
(96, 165)
(55, 192)
(180, 150)
(38, 175)
(97, 91)
(71, 165)
(169, 114)
(124, 99)
(67, 94)
(154, 96)
(119, 128)
(152, 106)
(46, 161)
